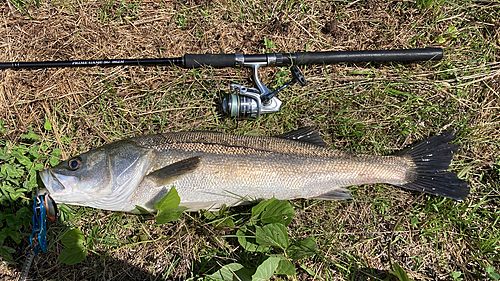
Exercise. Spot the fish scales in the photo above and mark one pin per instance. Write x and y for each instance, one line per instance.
(210, 169)
(238, 168)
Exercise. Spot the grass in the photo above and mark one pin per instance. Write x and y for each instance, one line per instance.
(371, 108)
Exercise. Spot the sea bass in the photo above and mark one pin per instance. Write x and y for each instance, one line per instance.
(210, 169)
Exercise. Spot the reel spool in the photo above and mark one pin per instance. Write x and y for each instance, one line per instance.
(251, 103)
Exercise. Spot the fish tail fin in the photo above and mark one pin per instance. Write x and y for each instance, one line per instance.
(432, 158)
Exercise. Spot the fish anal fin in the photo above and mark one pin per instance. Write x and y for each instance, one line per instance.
(196, 206)
(172, 172)
(335, 195)
(306, 134)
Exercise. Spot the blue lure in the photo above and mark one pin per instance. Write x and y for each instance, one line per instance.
(44, 207)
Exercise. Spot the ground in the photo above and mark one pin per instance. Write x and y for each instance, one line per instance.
(374, 108)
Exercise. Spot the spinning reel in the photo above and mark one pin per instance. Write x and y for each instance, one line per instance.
(251, 103)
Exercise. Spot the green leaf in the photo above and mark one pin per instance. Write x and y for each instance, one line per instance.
(34, 151)
(73, 238)
(65, 212)
(22, 159)
(302, 249)
(278, 211)
(273, 234)
(8, 188)
(15, 195)
(266, 269)
(13, 221)
(456, 275)
(56, 152)
(269, 43)
(273, 211)
(247, 241)
(53, 161)
(227, 222)
(16, 236)
(4, 200)
(73, 255)
(75, 251)
(169, 215)
(261, 207)
(24, 212)
(285, 267)
(11, 171)
(30, 135)
(207, 214)
(38, 167)
(140, 210)
(495, 276)
(3, 130)
(47, 126)
(491, 271)
(440, 39)
(44, 146)
(4, 155)
(6, 252)
(169, 201)
(232, 272)
(399, 272)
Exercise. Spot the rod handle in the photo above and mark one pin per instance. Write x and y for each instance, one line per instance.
(214, 60)
(424, 54)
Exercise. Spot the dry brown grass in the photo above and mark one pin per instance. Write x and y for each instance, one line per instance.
(351, 104)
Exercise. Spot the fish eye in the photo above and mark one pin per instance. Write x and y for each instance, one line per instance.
(75, 163)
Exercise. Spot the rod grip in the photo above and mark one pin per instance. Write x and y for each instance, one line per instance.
(424, 54)
(214, 60)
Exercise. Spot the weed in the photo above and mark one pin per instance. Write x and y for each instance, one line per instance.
(121, 11)
(266, 232)
(19, 164)
(490, 270)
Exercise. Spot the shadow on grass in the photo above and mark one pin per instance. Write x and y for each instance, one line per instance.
(99, 266)
(115, 257)
(365, 274)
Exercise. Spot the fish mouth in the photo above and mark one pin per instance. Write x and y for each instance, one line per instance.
(51, 182)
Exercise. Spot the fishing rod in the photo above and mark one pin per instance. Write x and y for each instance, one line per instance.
(245, 102)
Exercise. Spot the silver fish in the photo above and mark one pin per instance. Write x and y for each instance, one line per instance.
(209, 169)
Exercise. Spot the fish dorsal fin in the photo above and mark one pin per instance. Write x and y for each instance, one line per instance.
(306, 134)
(172, 172)
(205, 131)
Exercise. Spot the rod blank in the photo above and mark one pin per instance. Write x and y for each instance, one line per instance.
(230, 60)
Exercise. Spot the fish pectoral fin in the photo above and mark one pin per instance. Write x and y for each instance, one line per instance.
(172, 172)
(335, 195)
(306, 134)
